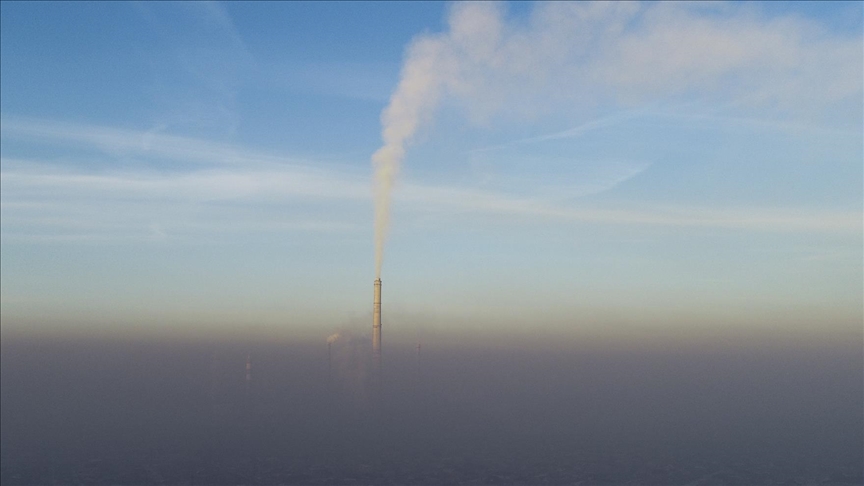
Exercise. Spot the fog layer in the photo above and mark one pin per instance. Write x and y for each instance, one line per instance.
(735, 412)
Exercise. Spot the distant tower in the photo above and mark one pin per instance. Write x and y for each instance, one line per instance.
(248, 375)
(418, 362)
(376, 329)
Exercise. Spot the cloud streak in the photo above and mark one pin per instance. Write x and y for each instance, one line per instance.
(116, 142)
(221, 188)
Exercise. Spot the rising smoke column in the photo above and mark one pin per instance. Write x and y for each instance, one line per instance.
(413, 101)
(435, 65)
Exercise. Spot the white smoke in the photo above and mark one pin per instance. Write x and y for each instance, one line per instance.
(572, 56)
(333, 338)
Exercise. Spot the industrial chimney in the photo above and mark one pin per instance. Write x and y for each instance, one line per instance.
(248, 376)
(376, 328)
(418, 362)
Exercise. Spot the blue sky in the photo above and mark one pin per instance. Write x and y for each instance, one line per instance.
(582, 167)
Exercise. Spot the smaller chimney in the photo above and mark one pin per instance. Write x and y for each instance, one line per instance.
(418, 362)
(248, 375)
(376, 329)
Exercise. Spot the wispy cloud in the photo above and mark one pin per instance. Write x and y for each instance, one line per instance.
(202, 185)
(759, 219)
(217, 187)
(151, 143)
(207, 61)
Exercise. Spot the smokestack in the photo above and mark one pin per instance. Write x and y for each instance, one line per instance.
(376, 328)
(248, 375)
(418, 378)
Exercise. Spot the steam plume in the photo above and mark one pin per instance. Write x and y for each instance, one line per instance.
(414, 99)
(567, 57)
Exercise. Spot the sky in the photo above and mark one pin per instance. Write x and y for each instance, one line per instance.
(568, 169)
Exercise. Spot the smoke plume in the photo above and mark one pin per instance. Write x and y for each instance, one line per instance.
(565, 58)
(414, 100)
